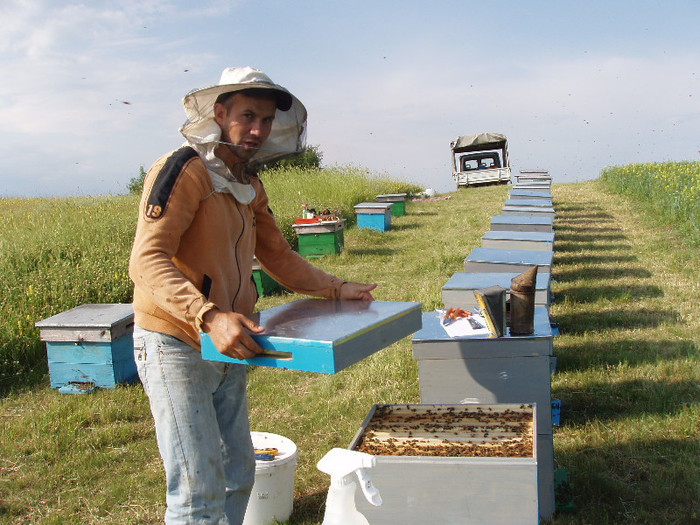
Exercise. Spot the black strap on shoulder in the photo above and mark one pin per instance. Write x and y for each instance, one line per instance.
(165, 181)
(206, 286)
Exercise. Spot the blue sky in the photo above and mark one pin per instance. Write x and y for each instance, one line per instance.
(91, 91)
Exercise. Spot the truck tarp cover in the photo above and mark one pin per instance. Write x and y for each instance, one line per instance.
(478, 142)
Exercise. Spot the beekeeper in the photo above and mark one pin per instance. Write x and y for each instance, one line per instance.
(203, 216)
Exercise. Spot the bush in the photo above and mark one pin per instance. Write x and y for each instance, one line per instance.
(135, 185)
(308, 157)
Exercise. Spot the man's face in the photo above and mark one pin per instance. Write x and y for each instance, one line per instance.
(247, 123)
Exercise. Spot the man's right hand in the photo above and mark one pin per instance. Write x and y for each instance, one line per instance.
(230, 333)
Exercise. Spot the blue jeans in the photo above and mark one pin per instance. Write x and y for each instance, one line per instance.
(201, 418)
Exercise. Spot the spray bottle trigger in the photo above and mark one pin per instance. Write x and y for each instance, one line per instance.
(368, 489)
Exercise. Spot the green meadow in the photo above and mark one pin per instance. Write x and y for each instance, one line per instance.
(626, 278)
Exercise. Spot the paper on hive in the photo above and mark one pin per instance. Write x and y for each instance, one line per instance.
(461, 327)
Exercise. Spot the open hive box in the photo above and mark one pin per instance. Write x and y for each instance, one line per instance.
(451, 463)
(449, 431)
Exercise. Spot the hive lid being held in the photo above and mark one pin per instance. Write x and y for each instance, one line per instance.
(324, 335)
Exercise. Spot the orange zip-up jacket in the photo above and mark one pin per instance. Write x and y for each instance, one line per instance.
(193, 249)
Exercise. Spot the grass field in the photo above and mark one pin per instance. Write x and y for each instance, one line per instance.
(625, 287)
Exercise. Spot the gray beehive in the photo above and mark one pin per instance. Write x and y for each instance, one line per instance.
(526, 223)
(496, 260)
(514, 240)
(451, 463)
(458, 291)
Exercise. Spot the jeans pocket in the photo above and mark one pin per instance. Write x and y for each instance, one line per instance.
(139, 350)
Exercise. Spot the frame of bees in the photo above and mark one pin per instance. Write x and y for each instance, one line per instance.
(465, 463)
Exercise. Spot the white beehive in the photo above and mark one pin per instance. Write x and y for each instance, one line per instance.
(501, 261)
(451, 464)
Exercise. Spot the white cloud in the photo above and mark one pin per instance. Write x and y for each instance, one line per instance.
(389, 96)
(570, 116)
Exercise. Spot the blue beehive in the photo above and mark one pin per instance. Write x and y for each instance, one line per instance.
(322, 335)
(90, 346)
(374, 215)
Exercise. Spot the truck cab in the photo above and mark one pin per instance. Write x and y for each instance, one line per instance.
(480, 158)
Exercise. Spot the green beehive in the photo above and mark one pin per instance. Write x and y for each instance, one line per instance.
(319, 239)
(398, 201)
(264, 284)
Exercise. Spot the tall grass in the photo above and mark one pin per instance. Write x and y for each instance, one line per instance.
(56, 254)
(671, 189)
(335, 188)
(59, 253)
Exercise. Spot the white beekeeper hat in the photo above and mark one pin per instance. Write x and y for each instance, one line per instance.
(288, 129)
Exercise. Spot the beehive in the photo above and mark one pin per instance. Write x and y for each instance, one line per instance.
(319, 239)
(530, 194)
(451, 463)
(514, 240)
(264, 284)
(533, 177)
(458, 291)
(502, 260)
(479, 369)
(398, 201)
(526, 201)
(533, 186)
(521, 223)
(535, 211)
(90, 346)
(374, 215)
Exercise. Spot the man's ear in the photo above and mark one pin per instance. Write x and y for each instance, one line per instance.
(220, 113)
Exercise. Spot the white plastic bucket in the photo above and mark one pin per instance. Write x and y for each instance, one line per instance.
(272, 497)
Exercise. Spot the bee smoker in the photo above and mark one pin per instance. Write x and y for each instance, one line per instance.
(522, 302)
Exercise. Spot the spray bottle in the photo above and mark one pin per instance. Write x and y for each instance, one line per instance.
(341, 463)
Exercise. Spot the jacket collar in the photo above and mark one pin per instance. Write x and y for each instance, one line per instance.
(234, 165)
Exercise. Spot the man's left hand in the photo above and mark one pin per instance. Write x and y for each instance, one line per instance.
(357, 291)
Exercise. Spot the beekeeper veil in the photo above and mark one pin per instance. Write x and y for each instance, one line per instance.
(202, 133)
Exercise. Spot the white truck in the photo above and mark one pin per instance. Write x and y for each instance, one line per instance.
(481, 158)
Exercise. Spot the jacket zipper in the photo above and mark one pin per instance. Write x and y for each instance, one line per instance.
(237, 257)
